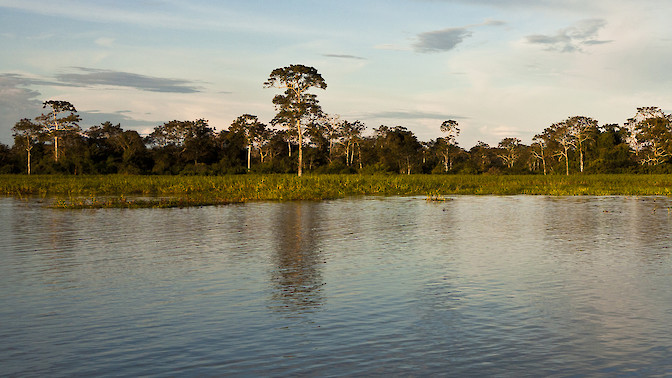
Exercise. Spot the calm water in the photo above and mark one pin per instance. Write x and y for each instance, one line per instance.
(507, 286)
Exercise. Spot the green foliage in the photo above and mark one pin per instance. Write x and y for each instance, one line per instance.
(296, 104)
(199, 190)
(53, 143)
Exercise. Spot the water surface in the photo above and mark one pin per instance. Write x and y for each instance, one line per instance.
(508, 286)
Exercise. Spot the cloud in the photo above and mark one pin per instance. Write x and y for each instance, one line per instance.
(343, 56)
(93, 77)
(95, 117)
(21, 80)
(524, 4)
(572, 38)
(448, 39)
(441, 40)
(596, 42)
(412, 115)
(15, 103)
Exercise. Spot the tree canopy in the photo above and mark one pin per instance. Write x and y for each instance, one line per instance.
(54, 142)
(296, 104)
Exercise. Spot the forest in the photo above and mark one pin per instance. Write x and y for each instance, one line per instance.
(303, 138)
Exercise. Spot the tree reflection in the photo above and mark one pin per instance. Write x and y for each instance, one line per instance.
(297, 275)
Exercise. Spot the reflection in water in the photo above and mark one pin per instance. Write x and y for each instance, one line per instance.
(476, 286)
(297, 275)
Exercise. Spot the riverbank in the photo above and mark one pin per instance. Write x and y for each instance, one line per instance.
(180, 191)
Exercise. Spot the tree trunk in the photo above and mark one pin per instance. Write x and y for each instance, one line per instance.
(331, 147)
(359, 154)
(567, 160)
(298, 128)
(28, 161)
(55, 137)
(249, 156)
(347, 153)
(55, 148)
(581, 158)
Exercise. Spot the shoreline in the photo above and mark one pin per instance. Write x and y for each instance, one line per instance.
(109, 191)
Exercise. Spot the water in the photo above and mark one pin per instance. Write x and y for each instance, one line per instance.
(506, 286)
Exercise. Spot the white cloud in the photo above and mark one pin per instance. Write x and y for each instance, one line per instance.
(508, 81)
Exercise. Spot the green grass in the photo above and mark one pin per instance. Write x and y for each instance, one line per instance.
(170, 191)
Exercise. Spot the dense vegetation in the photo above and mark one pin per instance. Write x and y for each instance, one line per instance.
(192, 147)
(312, 141)
(169, 191)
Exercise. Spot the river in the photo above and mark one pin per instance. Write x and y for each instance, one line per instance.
(473, 286)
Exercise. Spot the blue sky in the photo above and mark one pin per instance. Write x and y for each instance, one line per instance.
(501, 68)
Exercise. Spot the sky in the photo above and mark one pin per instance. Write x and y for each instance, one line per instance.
(500, 68)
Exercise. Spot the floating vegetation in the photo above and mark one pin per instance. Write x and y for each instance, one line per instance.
(437, 198)
(125, 203)
(120, 191)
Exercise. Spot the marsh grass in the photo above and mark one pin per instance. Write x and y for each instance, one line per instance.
(181, 191)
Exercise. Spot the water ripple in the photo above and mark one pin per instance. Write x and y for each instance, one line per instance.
(487, 286)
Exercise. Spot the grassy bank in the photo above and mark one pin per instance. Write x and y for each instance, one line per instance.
(168, 191)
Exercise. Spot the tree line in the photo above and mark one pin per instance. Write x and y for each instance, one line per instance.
(301, 137)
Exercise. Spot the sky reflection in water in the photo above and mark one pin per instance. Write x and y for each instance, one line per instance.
(476, 285)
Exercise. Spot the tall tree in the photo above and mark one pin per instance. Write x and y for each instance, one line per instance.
(561, 135)
(631, 125)
(539, 144)
(398, 148)
(249, 126)
(510, 151)
(584, 130)
(333, 131)
(352, 135)
(61, 120)
(263, 139)
(650, 135)
(295, 104)
(482, 156)
(612, 152)
(193, 140)
(451, 130)
(27, 132)
(655, 134)
(104, 154)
